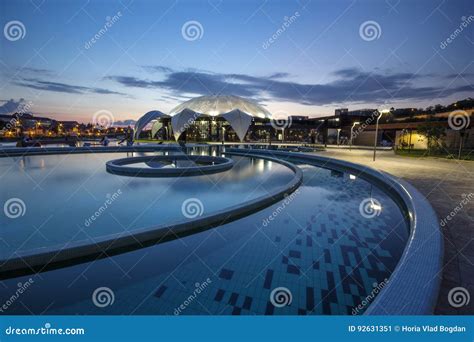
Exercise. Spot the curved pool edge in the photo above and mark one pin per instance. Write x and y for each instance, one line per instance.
(219, 164)
(43, 151)
(114, 244)
(414, 285)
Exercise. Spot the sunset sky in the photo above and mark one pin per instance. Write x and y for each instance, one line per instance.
(322, 59)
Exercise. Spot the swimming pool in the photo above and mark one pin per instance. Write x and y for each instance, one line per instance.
(324, 249)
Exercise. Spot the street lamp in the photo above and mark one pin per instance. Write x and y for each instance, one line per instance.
(352, 134)
(377, 129)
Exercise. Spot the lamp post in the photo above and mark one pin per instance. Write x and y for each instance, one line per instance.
(409, 142)
(325, 133)
(377, 129)
(461, 137)
(352, 133)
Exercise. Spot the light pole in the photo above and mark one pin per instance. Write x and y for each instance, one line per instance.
(377, 129)
(461, 136)
(352, 133)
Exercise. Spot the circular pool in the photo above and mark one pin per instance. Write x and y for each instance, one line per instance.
(177, 165)
(331, 237)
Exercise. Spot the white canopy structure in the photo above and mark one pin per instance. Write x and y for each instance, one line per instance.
(237, 111)
(146, 119)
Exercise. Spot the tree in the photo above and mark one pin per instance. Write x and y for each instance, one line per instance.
(433, 133)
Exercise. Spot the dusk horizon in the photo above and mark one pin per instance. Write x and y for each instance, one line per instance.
(305, 58)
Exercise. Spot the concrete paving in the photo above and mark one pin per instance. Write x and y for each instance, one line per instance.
(445, 183)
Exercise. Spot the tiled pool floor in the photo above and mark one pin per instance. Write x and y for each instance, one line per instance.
(317, 245)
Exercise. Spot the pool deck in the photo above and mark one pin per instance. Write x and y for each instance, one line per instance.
(443, 182)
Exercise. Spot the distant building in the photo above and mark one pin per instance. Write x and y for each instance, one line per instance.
(340, 111)
(295, 118)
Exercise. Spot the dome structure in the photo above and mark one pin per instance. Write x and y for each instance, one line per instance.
(146, 119)
(237, 111)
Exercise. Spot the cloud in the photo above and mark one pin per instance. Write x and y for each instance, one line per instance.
(11, 106)
(350, 85)
(158, 68)
(128, 122)
(35, 71)
(39, 84)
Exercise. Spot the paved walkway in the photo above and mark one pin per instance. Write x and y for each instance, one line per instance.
(443, 182)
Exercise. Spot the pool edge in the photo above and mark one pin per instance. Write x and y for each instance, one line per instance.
(414, 285)
(76, 253)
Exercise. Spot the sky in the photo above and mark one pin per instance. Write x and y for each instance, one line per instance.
(293, 57)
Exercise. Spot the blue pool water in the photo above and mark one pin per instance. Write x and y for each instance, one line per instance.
(62, 192)
(317, 245)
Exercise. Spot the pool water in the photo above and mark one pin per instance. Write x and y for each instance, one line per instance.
(63, 192)
(316, 244)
